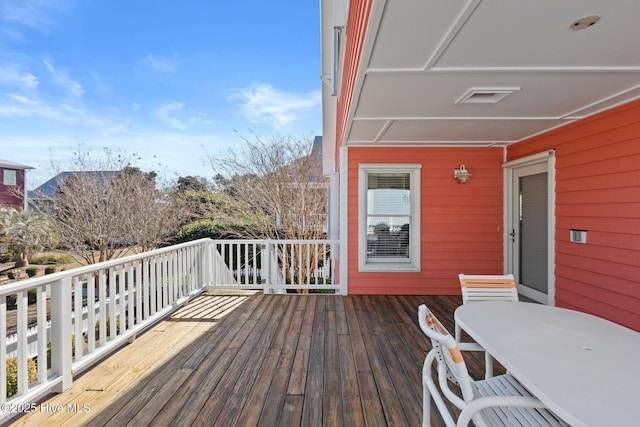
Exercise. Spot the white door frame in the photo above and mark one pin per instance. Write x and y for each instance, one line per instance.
(545, 159)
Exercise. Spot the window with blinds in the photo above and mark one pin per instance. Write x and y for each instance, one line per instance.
(388, 215)
(389, 202)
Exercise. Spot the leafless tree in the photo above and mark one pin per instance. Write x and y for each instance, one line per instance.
(280, 179)
(110, 208)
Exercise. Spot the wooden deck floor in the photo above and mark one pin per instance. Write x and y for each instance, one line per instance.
(262, 360)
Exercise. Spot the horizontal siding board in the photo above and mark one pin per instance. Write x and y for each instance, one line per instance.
(626, 226)
(592, 251)
(615, 269)
(621, 288)
(622, 164)
(582, 302)
(599, 194)
(600, 210)
(597, 189)
(604, 240)
(454, 216)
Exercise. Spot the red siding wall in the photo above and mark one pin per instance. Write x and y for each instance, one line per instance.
(461, 224)
(9, 195)
(598, 190)
(359, 12)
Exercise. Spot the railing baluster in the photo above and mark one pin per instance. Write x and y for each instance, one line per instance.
(41, 301)
(141, 291)
(102, 303)
(121, 314)
(155, 284)
(91, 312)
(60, 332)
(22, 319)
(113, 289)
(165, 281)
(238, 257)
(77, 318)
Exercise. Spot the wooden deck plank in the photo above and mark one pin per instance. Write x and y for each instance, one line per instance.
(277, 392)
(374, 337)
(265, 360)
(314, 391)
(248, 363)
(332, 414)
(254, 398)
(353, 412)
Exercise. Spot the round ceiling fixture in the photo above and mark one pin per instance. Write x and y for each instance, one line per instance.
(584, 22)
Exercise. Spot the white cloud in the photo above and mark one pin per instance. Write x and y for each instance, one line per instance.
(16, 106)
(61, 77)
(36, 14)
(261, 103)
(174, 115)
(12, 75)
(162, 64)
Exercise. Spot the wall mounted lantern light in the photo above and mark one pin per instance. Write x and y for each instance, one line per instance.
(461, 174)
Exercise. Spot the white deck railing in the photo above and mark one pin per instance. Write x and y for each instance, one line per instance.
(62, 334)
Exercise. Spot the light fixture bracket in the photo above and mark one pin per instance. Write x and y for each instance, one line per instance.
(462, 174)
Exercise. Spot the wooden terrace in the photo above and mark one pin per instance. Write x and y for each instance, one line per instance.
(263, 360)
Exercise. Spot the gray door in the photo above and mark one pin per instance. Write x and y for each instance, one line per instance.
(529, 250)
(533, 226)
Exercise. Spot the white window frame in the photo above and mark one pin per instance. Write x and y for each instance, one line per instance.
(389, 264)
(9, 177)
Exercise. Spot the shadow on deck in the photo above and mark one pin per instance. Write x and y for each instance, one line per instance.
(263, 360)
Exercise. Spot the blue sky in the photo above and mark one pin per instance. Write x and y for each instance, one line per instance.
(168, 80)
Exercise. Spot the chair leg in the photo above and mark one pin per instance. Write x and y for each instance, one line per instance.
(426, 404)
(458, 333)
(488, 365)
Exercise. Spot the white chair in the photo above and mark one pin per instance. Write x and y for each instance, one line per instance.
(484, 288)
(497, 401)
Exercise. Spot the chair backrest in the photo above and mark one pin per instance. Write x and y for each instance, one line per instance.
(450, 360)
(488, 287)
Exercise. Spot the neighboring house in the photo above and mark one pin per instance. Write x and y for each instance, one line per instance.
(13, 184)
(543, 111)
(43, 198)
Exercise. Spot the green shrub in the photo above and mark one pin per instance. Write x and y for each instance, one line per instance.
(6, 257)
(49, 270)
(11, 274)
(12, 374)
(32, 296)
(31, 271)
(216, 230)
(11, 300)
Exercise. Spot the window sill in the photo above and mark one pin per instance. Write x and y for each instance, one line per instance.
(388, 268)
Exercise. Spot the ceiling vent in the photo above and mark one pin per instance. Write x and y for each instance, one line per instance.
(485, 95)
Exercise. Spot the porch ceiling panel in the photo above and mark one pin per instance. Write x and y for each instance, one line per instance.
(445, 132)
(423, 55)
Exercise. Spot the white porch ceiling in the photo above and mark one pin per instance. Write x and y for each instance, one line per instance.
(422, 55)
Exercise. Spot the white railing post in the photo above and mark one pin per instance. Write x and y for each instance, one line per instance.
(206, 256)
(61, 333)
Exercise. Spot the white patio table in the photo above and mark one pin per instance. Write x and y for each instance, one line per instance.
(584, 368)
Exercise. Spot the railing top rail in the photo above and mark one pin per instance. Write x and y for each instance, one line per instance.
(260, 241)
(43, 280)
(87, 269)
